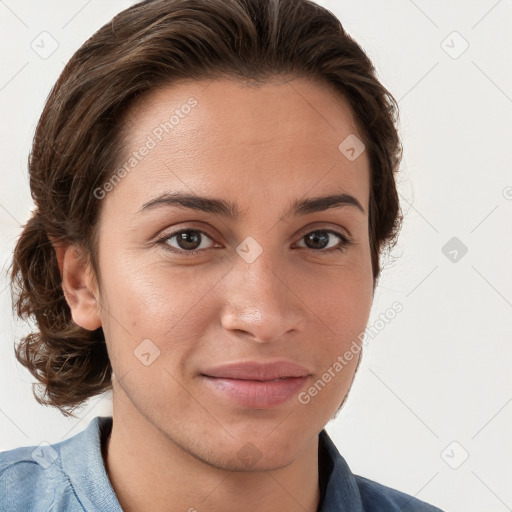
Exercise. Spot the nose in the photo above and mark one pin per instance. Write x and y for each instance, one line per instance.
(263, 301)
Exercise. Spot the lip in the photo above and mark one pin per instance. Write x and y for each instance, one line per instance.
(256, 384)
(255, 370)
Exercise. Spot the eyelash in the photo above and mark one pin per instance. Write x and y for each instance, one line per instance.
(345, 242)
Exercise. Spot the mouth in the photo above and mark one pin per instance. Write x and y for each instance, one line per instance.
(257, 385)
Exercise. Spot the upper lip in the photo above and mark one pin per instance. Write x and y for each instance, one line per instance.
(255, 370)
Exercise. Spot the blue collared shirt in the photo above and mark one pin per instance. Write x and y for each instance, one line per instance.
(70, 476)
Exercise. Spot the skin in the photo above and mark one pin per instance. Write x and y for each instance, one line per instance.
(174, 441)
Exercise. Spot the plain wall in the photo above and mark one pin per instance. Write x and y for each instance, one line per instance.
(434, 386)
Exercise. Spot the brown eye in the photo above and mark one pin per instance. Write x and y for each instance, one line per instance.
(319, 240)
(187, 241)
(190, 242)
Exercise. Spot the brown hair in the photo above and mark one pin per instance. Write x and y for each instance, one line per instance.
(78, 140)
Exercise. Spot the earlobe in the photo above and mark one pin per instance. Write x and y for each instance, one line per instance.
(79, 287)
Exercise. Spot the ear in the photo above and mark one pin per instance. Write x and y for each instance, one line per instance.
(79, 286)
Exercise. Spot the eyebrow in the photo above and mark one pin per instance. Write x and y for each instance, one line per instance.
(229, 209)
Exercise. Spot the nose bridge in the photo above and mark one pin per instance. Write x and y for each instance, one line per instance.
(259, 299)
(261, 279)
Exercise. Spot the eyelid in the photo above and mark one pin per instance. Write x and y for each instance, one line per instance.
(319, 226)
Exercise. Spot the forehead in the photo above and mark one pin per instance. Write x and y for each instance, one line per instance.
(234, 138)
(296, 106)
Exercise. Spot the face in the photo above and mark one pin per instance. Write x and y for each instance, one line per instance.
(189, 287)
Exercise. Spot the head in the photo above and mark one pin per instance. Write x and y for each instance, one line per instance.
(260, 106)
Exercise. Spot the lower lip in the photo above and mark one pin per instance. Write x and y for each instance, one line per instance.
(255, 393)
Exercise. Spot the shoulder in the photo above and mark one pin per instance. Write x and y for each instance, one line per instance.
(32, 479)
(377, 497)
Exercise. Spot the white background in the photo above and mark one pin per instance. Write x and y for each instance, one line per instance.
(440, 371)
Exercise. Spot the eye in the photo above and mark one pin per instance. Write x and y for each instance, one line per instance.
(318, 240)
(188, 241)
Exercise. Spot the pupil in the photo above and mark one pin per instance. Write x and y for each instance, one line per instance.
(315, 238)
(187, 241)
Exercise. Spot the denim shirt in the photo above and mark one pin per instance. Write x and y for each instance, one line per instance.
(70, 476)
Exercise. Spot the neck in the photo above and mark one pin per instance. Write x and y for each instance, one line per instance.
(150, 472)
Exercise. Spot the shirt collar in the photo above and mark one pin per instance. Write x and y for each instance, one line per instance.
(83, 462)
(339, 491)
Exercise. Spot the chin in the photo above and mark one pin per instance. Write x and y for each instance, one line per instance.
(251, 459)
(255, 449)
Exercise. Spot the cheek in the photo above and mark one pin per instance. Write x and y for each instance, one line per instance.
(172, 307)
(343, 307)
(342, 302)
